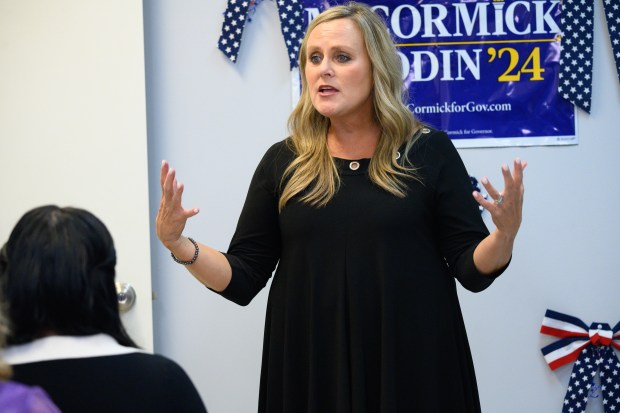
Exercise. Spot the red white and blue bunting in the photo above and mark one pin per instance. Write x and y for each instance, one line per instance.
(591, 349)
(576, 56)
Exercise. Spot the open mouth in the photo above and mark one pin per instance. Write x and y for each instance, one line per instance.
(327, 89)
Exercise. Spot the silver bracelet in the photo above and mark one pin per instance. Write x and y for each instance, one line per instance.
(193, 260)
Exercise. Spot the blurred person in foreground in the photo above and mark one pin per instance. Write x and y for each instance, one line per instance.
(66, 334)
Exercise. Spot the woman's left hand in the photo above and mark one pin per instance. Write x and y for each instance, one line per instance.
(505, 207)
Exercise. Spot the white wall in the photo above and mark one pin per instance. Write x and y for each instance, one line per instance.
(213, 121)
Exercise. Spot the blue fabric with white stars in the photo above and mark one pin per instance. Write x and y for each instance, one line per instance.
(575, 78)
(238, 13)
(583, 383)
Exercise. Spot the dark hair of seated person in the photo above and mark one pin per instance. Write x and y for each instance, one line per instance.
(58, 273)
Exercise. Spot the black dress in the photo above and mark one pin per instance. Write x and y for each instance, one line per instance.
(363, 314)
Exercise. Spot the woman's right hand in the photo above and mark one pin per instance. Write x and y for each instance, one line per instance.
(171, 217)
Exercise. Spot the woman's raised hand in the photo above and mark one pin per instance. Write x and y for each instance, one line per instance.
(171, 217)
(505, 207)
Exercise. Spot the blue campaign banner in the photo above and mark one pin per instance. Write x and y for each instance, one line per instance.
(484, 71)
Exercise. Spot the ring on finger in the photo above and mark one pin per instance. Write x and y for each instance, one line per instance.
(499, 200)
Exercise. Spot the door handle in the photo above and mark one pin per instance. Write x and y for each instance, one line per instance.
(126, 296)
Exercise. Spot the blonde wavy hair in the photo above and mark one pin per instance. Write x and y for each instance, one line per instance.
(313, 169)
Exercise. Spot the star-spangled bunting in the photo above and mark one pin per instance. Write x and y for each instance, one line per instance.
(591, 349)
(612, 13)
(238, 12)
(575, 77)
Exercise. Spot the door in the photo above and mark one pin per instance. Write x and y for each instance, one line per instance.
(73, 125)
